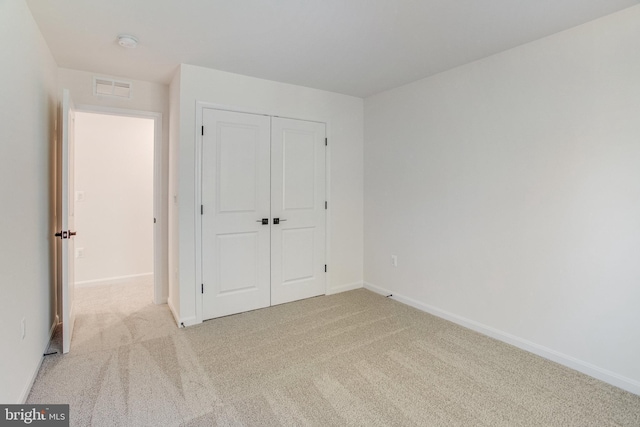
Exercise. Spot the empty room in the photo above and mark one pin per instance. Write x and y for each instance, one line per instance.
(374, 213)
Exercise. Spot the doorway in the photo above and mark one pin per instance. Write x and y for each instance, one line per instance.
(116, 198)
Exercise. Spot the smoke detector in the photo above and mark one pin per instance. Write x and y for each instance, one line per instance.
(127, 41)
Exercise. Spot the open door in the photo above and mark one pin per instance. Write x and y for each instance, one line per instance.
(66, 282)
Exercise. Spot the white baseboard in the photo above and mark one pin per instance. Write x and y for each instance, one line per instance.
(344, 288)
(25, 392)
(605, 375)
(110, 280)
(173, 312)
(162, 300)
(188, 321)
(181, 322)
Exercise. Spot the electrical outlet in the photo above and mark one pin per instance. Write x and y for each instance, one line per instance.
(23, 328)
(79, 252)
(394, 260)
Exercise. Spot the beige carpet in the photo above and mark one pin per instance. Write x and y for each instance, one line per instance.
(354, 358)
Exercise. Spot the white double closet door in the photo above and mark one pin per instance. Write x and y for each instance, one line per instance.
(263, 213)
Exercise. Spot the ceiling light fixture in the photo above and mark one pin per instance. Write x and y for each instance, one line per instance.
(127, 41)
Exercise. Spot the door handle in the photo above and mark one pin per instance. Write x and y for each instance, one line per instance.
(264, 221)
(276, 221)
(65, 234)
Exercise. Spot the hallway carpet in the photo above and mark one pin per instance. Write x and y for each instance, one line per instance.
(349, 359)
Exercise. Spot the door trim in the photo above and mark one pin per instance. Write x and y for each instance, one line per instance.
(160, 291)
(200, 106)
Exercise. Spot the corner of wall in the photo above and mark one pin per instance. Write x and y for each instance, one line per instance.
(173, 214)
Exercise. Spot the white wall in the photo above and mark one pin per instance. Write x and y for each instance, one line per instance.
(173, 224)
(509, 189)
(27, 157)
(114, 172)
(146, 96)
(344, 115)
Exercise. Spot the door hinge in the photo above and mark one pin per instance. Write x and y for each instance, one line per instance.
(325, 204)
(201, 209)
(325, 268)
(202, 288)
(326, 142)
(202, 130)
(154, 220)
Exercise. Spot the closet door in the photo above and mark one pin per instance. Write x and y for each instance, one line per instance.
(235, 198)
(297, 209)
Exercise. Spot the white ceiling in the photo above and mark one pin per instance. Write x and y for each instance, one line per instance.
(356, 47)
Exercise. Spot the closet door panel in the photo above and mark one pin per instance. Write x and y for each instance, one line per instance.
(298, 204)
(236, 197)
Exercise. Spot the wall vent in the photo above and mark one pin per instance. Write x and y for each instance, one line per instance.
(109, 87)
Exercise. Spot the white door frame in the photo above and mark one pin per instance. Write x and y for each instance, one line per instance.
(200, 106)
(158, 277)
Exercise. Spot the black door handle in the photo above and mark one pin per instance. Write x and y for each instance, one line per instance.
(264, 221)
(66, 234)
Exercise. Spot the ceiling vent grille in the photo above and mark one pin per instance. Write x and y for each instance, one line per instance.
(108, 87)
